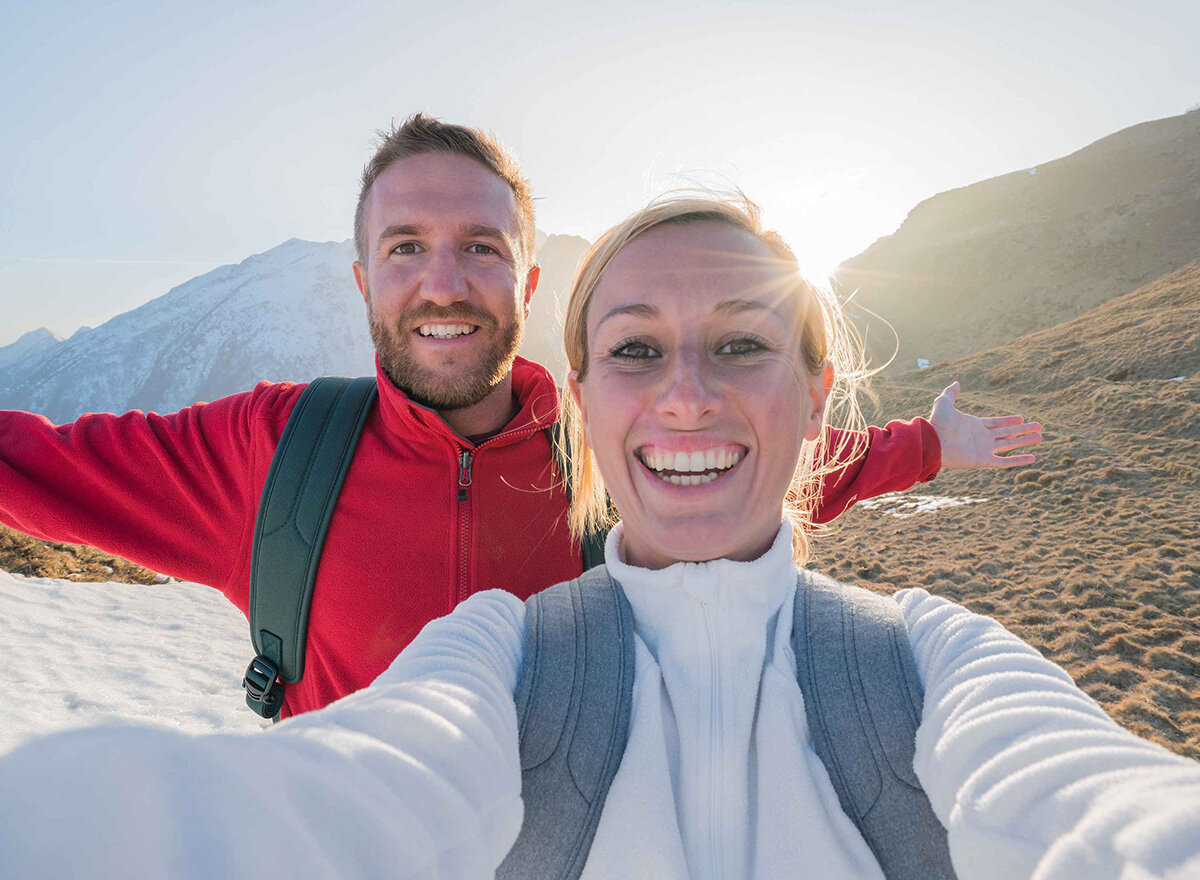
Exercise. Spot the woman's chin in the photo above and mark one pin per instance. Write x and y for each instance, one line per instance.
(694, 542)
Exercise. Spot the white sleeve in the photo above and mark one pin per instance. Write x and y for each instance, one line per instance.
(418, 776)
(1028, 774)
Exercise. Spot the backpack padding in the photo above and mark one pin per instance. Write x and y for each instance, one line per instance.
(573, 700)
(299, 495)
(863, 700)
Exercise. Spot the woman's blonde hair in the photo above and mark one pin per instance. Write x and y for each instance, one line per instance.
(825, 338)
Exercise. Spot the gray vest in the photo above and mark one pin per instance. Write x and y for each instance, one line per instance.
(862, 696)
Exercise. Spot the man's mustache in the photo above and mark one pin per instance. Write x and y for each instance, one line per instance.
(458, 313)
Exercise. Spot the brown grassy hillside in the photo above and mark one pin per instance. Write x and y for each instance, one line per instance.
(978, 266)
(1093, 553)
(33, 558)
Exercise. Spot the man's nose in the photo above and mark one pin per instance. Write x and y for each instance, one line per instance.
(689, 391)
(444, 281)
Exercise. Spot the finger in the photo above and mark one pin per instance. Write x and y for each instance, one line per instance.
(1016, 430)
(952, 391)
(1018, 442)
(1012, 461)
(1002, 421)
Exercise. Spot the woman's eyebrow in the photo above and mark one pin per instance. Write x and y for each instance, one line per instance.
(639, 310)
(737, 306)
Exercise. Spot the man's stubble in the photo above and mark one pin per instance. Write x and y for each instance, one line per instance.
(468, 385)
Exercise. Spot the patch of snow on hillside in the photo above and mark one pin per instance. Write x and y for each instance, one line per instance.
(79, 654)
(902, 506)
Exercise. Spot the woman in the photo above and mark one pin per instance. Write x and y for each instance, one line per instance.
(701, 370)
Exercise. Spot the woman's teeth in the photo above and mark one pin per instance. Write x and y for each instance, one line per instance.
(690, 468)
(446, 331)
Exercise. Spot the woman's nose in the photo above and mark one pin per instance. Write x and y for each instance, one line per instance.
(689, 391)
(444, 281)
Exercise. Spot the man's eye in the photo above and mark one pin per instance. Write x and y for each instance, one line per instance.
(742, 345)
(482, 249)
(406, 248)
(634, 350)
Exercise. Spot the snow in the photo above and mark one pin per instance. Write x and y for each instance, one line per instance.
(80, 654)
(290, 313)
(902, 506)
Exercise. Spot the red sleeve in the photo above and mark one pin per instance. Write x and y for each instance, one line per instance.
(898, 455)
(175, 493)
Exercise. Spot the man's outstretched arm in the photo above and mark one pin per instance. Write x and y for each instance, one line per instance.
(903, 453)
(174, 493)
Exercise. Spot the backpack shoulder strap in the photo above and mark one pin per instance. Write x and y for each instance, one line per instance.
(592, 545)
(298, 499)
(863, 699)
(573, 700)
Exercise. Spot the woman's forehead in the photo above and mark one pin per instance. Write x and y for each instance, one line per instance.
(696, 264)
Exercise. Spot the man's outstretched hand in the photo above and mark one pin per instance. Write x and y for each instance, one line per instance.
(969, 441)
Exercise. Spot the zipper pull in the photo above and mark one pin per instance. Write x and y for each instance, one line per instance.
(464, 474)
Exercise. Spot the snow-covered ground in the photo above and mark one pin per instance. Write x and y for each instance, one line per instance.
(902, 506)
(77, 655)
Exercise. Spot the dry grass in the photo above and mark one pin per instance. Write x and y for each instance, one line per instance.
(22, 554)
(1092, 554)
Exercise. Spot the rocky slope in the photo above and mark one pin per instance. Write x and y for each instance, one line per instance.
(977, 266)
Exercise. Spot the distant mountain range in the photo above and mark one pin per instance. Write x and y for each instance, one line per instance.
(968, 270)
(290, 313)
(978, 266)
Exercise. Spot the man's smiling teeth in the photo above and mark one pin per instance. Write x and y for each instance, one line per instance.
(446, 331)
(690, 468)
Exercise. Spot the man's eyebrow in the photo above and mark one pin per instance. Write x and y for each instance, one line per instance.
(467, 229)
(478, 229)
(400, 229)
(639, 310)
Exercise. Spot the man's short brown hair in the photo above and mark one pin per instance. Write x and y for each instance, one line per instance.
(421, 134)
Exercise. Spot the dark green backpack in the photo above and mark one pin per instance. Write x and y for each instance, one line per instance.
(298, 498)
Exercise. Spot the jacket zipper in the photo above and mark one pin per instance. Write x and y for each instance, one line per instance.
(465, 459)
(714, 753)
(464, 522)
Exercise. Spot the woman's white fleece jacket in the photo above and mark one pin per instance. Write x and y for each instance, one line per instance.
(419, 777)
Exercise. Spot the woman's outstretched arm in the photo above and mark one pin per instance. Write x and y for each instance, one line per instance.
(1029, 775)
(417, 776)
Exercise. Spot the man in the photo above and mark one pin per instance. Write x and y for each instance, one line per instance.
(452, 489)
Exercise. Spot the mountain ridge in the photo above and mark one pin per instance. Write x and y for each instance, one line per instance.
(981, 264)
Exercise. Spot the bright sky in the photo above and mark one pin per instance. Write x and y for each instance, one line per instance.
(143, 143)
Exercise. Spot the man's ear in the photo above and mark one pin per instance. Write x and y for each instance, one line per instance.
(531, 283)
(576, 389)
(360, 278)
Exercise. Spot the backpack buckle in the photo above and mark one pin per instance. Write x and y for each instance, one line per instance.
(264, 691)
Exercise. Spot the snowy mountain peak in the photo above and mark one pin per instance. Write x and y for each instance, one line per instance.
(29, 345)
(291, 312)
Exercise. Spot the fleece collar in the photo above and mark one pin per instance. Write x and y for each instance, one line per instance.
(536, 393)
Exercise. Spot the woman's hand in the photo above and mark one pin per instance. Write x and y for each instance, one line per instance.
(969, 441)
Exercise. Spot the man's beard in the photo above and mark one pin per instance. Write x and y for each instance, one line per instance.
(471, 383)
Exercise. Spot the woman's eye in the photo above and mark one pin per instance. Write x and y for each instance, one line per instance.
(742, 345)
(634, 351)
